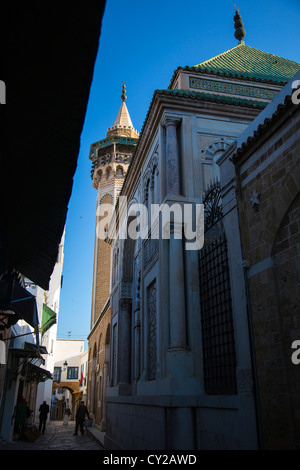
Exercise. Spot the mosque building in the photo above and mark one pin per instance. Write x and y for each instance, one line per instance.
(174, 359)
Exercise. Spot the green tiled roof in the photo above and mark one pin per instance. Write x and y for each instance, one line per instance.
(250, 63)
(202, 96)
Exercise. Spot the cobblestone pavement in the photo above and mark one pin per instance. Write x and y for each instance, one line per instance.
(57, 437)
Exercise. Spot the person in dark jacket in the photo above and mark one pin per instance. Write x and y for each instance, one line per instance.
(82, 411)
(44, 410)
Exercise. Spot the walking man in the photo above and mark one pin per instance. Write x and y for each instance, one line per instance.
(82, 411)
(44, 410)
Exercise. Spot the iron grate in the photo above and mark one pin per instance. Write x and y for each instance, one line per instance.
(218, 343)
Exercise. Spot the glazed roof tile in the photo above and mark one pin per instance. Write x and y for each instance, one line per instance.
(202, 96)
(249, 63)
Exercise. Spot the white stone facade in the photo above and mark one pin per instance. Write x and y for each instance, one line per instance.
(156, 398)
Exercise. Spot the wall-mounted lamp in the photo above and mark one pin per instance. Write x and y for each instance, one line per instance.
(65, 364)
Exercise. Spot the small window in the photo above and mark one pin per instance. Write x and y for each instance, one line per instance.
(119, 172)
(56, 374)
(72, 372)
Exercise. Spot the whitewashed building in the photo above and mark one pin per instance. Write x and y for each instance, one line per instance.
(69, 376)
(48, 308)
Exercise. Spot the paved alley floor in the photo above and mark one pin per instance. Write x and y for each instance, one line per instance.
(57, 437)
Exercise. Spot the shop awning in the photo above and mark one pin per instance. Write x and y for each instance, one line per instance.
(37, 374)
(48, 68)
(48, 318)
(16, 303)
(30, 350)
(34, 347)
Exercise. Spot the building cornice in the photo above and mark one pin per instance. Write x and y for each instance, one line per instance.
(172, 101)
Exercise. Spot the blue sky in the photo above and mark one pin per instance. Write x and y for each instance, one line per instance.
(142, 43)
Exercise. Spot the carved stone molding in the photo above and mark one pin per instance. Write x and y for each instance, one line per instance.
(126, 290)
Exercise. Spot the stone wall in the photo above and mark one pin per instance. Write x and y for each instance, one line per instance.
(268, 175)
(156, 423)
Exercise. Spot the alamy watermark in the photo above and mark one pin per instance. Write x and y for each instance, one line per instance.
(166, 221)
(2, 92)
(296, 354)
(296, 93)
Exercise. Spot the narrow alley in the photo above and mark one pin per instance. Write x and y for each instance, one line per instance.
(57, 437)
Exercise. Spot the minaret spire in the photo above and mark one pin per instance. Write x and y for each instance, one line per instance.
(123, 96)
(240, 33)
(122, 125)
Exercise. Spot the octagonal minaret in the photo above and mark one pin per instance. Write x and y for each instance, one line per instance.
(112, 155)
(111, 158)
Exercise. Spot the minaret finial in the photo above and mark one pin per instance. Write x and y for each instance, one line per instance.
(240, 33)
(123, 96)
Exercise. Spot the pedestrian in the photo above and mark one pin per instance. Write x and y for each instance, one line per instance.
(67, 415)
(44, 410)
(82, 411)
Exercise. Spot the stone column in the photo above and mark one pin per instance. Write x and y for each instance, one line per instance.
(162, 163)
(177, 289)
(124, 342)
(176, 256)
(172, 157)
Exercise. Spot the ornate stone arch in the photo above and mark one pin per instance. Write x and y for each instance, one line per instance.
(148, 179)
(108, 172)
(120, 173)
(106, 195)
(216, 147)
(212, 152)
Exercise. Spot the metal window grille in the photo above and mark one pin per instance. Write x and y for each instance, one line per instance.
(219, 356)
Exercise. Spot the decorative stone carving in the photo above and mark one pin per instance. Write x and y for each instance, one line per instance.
(151, 249)
(172, 156)
(149, 174)
(126, 290)
(215, 147)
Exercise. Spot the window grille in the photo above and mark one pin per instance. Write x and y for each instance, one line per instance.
(219, 356)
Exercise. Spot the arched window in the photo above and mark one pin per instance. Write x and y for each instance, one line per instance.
(100, 341)
(119, 172)
(213, 151)
(107, 172)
